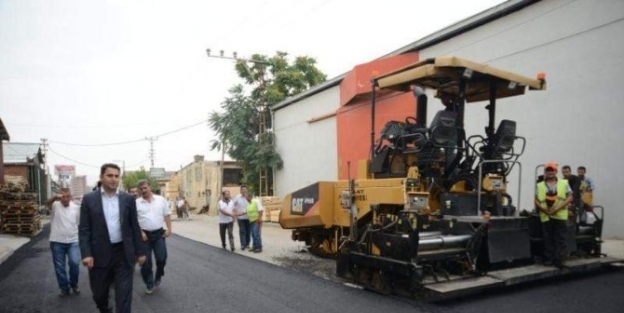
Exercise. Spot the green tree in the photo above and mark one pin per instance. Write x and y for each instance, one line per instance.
(244, 127)
(131, 179)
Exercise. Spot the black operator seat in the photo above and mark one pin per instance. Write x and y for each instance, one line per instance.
(443, 129)
(392, 131)
(505, 135)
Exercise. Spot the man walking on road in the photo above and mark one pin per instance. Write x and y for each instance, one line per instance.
(226, 219)
(240, 208)
(110, 240)
(152, 211)
(64, 221)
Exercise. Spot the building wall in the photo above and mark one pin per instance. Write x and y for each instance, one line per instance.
(172, 191)
(16, 171)
(192, 183)
(577, 120)
(78, 186)
(200, 183)
(306, 141)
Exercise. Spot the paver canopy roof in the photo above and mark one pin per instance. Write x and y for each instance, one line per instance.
(444, 74)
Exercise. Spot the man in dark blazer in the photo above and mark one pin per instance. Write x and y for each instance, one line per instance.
(110, 240)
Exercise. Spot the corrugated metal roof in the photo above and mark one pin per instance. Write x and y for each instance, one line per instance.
(19, 152)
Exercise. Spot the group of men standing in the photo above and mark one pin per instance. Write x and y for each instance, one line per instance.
(247, 211)
(560, 201)
(111, 231)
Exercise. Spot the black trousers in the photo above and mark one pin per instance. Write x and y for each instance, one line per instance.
(555, 232)
(230, 228)
(118, 272)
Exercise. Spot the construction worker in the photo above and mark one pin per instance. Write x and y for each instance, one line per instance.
(552, 197)
(575, 184)
(587, 188)
(254, 213)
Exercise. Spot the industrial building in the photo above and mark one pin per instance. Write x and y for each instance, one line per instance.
(322, 133)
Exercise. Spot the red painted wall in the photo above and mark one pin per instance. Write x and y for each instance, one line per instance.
(354, 127)
(353, 118)
(16, 170)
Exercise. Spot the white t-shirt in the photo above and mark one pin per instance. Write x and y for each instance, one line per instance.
(152, 214)
(64, 222)
(227, 207)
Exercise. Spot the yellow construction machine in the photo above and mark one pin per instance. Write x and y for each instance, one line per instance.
(429, 212)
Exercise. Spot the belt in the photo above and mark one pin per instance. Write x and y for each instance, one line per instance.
(151, 232)
(117, 244)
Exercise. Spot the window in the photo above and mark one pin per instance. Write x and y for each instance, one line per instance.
(198, 173)
(232, 176)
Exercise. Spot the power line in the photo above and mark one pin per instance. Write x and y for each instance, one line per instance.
(91, 165)
(96, 145)
(126, 142)
(70, 159)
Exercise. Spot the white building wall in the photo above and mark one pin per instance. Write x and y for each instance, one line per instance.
(578, 119)
(309, 150)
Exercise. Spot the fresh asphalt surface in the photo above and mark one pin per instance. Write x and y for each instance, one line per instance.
(202, 278)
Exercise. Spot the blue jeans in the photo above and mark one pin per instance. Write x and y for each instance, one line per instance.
(62, 253)
(255, 235)
(156, 243)
(244, 232)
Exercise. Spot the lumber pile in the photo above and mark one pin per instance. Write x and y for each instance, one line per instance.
(272, 207)
(18, 210)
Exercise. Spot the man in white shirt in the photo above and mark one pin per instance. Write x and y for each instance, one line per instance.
(226, 219)
(64, 221)
(183, 206)
(152, 212)
(240, 209)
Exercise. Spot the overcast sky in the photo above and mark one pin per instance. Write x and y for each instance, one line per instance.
(97, 72)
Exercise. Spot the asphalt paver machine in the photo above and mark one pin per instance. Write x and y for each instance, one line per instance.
(431, 214)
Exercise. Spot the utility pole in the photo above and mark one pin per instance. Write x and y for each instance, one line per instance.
(44, 148)
(151, 151)
(262, 111)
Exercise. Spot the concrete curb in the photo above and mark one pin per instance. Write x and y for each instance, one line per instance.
(10, 243)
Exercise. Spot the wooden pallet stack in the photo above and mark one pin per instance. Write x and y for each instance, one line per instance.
(272, 207)
(18, 210)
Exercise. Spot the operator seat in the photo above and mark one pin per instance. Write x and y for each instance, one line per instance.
(505, 135)
(444, 130)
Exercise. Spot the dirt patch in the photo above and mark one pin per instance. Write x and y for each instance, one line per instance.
(304, 261)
